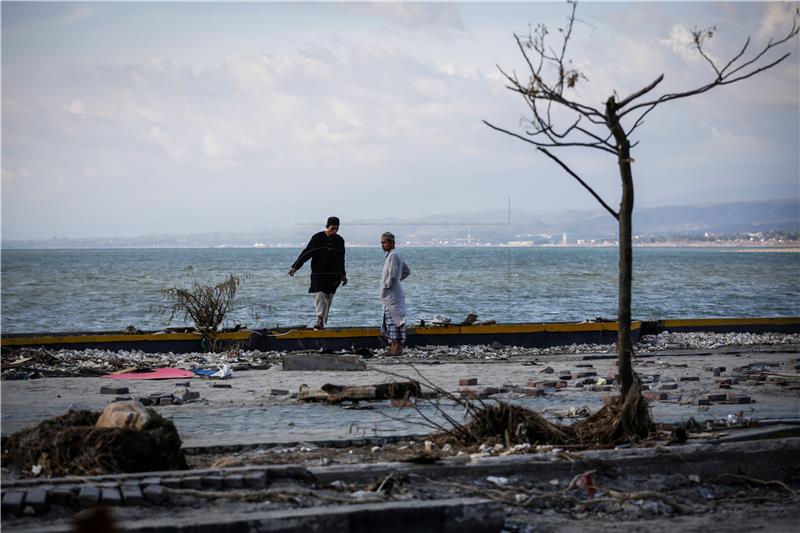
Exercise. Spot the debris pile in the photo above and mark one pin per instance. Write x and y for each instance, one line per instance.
(126, 437)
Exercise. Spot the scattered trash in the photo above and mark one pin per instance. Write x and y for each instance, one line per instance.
(496, 480)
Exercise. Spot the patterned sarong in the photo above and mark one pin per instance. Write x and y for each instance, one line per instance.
(390, 330)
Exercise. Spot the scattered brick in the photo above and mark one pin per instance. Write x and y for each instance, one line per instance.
(732, 398)
(703, 401)
(584, 365)
(278, 392)
(668, 386)
(221, 385)
(716, 397)
(689, 378)
(534, 392)
(466, 382)
(166, 401)
(585, 374)
(541, 384)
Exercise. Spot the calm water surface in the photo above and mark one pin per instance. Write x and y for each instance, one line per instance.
(108, 290)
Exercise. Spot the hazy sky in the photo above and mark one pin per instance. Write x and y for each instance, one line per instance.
(123, 119)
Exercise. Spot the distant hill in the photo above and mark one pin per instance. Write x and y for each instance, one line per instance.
(486, 227)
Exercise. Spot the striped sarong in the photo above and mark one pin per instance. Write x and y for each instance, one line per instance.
(390, 330)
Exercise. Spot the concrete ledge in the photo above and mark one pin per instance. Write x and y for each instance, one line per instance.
(326, 362)
(459, 515)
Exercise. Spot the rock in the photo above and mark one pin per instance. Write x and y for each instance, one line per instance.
(130, 414)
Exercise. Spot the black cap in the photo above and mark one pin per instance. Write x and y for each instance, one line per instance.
(332, 221)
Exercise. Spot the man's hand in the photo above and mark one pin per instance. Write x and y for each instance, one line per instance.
(292, 271)
(344, 281)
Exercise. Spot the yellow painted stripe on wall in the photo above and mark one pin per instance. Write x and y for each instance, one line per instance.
(697, 322)
(79, 339)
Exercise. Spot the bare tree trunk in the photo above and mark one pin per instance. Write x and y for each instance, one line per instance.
(624, 346)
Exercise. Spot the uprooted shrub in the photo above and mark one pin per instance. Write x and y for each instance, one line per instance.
(618, 422)
(206, 305)
(70, 444)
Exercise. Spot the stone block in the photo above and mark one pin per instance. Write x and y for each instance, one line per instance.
(255, 480)
(213, 482)
(88, 495)
(323, 362)
(61, 495)
(13, 501)
(716, 397)
(171, 482)
(132, 495)
(110, 389)
(466, 382)
(192, 482)
(235, 481)
(37, 499)
(154, 494)
(110, 496)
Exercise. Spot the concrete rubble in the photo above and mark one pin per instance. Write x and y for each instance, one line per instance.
(725, 453)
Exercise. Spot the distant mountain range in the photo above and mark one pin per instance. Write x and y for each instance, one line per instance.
(493, 227)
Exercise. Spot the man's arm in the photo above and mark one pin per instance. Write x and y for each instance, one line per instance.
(304, 256)
(344, 272)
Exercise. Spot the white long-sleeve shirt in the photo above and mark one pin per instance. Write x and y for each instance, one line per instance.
(393, 298)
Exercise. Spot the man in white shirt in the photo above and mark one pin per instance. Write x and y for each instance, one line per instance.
(393, 299)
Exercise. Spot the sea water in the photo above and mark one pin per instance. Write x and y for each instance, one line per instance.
(109, 290)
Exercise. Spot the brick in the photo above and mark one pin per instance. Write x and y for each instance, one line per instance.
(165, 401)
(255, 480)
(689, 378)
(278, 392)
(155, 494)
(37, 499)
(221, 386)
(110, 496)
(655, 395)
(724, 386)
(213, 482)
(13, 502)
(61, 495)
(88, 496)
(668, 386)
(171, 482)
(540, 384)
(732, 398)
(716, 397)
(114, 390)
(703, 401)
(584, 365)
(584, 374)
(466, 382)
(192, 482)
(235, 481)
(132, 495)
(565, 377)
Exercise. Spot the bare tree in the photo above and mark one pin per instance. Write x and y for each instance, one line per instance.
(558, 119)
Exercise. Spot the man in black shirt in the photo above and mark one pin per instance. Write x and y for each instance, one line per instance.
(326, 251)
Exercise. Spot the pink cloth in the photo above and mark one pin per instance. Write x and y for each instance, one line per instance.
(159, 373)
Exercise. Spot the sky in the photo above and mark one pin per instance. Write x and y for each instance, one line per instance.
(127, 119)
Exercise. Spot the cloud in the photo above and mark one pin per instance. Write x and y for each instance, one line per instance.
(776, 21)
(417, 16)
(78, 13)
(76, 107)
(681, 42)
